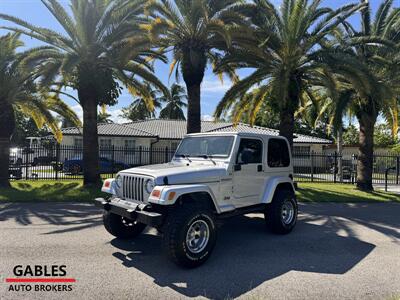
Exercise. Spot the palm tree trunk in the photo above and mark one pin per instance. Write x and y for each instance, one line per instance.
(365, 153)
(91, 173)
(194, 109)
(286, 125)
(193, 66)
(288, 108)
(7, 126)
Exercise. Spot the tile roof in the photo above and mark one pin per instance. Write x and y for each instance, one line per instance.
(110, 130)
(176, 129)
(171, 129)
(298, 138)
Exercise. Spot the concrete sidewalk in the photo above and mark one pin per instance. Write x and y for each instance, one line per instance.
(393, 188)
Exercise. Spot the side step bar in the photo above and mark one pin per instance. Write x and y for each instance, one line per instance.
(258, 208)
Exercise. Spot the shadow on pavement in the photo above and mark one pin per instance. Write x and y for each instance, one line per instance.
(78, 216)
(246, 256)
(381, 217)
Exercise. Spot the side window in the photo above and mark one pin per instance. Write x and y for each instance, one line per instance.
(278, 153)
(250, 152)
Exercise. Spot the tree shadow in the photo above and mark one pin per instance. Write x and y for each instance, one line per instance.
(381, 217)
(75, 216)
(247, 256)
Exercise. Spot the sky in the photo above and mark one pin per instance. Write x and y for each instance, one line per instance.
(212, 90)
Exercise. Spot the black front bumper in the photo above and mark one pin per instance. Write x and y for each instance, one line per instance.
(132, 211)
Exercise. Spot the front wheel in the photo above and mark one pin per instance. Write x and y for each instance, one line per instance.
(189, 235)
(121, 227)
(281, 214)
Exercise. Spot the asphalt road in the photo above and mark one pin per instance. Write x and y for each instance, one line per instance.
(337, 251)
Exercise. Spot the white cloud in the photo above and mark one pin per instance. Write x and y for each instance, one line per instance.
(78, 110)
(115, 114)
(214, 85)
(207, 118)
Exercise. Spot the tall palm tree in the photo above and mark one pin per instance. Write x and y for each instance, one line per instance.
(104, 116)
(141, 108)
(173, 110)
(286, 48)
(196, 31)
(375, 45)
(103, 45)
(18, 93)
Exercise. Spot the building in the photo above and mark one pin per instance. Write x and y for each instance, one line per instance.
(168, 133)
(154, 140)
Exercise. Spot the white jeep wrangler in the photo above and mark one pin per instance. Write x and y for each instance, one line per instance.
(211, 176)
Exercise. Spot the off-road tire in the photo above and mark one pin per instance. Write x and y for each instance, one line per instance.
(274, 212)
(120, 227)
(175, 231)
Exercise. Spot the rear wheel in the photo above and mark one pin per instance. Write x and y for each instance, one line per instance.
(189, 235)
(281, 214)
(121, 227)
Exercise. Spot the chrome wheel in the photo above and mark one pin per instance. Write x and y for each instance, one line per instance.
(287, 213)
(127, 222)
(197, 236)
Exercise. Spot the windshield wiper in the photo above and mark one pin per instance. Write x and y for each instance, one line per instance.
(185, 156)
(205, 156)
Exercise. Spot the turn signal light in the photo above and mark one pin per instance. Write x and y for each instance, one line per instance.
(171, 196)
(107, 183)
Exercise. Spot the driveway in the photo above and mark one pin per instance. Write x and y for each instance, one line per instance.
(337, 251)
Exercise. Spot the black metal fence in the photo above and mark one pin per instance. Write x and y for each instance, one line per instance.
(65, 162)
(334, 167)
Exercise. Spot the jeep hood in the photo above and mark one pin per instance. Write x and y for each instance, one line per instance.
(180, 173)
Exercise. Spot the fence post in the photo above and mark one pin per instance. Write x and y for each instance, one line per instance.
(27, 150)
(335, 167)
(151, 154)
(312, 166)
(355, 169)
(140, 156)
(397, 169)
(166, 155)
(112, 160)
(57, 159)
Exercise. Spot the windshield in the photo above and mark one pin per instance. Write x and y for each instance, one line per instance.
(214, 146)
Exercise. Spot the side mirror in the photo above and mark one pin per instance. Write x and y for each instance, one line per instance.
(237, 167)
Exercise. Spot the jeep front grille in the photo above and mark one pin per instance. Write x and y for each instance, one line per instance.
(132, 188)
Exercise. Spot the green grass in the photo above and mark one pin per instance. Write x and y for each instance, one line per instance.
(49, 191)
(73, 191)
(325, 192)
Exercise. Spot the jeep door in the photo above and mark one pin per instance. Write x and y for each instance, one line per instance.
(248, 175)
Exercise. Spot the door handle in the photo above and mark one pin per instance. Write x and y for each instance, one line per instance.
(259, 168)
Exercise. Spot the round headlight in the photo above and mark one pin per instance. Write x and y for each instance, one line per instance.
(118, 181)
(149, 185)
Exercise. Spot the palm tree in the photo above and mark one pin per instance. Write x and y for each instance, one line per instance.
(196, 31)
(286, 49)
(103, 45)
(329, 107)
(175, 103)
(375, 46)
(18, 94)
(141, 108)
(104, 116)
